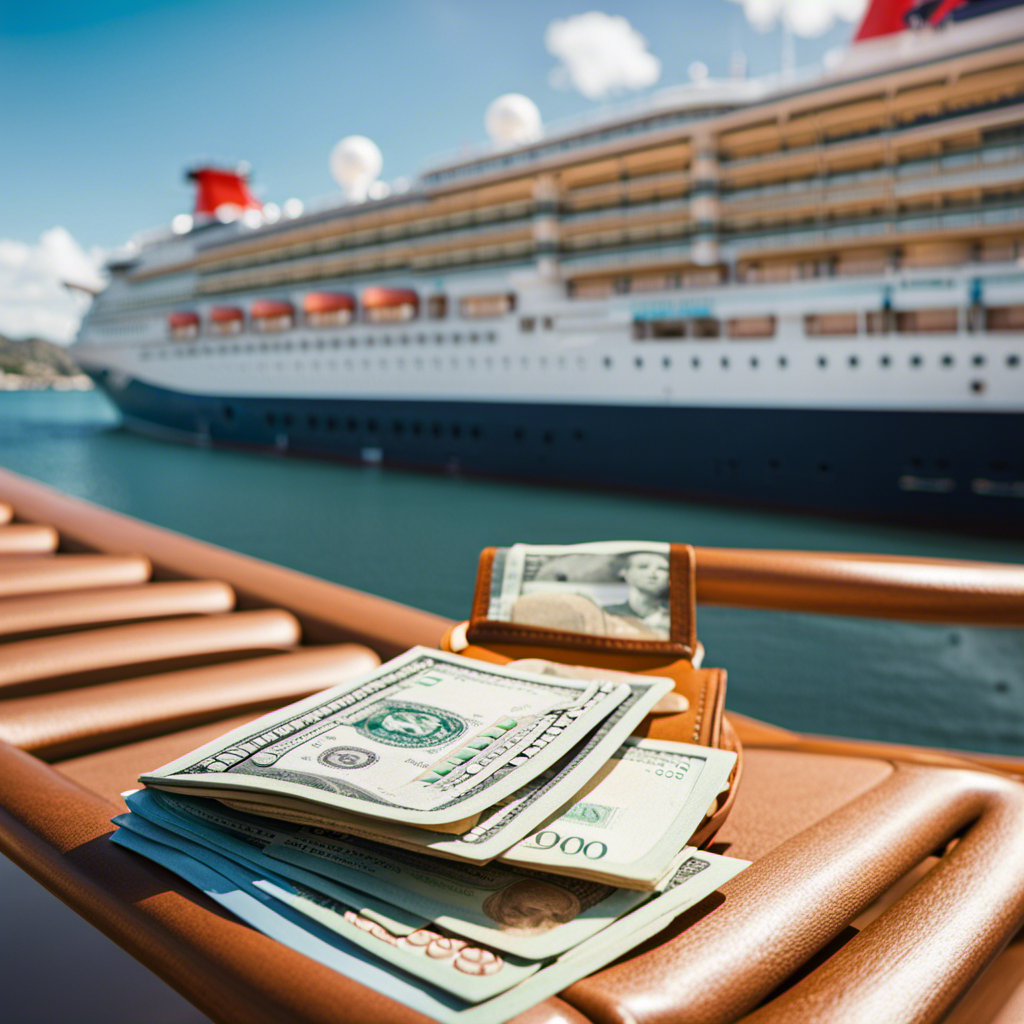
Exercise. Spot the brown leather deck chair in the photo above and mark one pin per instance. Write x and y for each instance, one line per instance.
(887, 883)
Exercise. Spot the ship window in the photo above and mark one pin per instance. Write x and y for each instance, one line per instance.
(668, 328)
(885, 361)
(288, 419)
(487, 305)
(398, 427)
(783, 362)
(695, 362)
(822, 362)
(332, 423)
(417, 428)
(1004, 318)
(916, 361)
(456, 338)
(437, 307)
(705, 327)
(519, 433)
(352, 424)
(1013, 360)
(607, 362)
(436, 429)
(854, 362)
(314, 422)
(638, 362)
(947, 360)
(939, 320)
(473, 338)
(271, 419)
(527, 324)
(825, 325)
(725, 362)
(978, 360)
(754, 362)
(666, 362)
(549, 323)
(744, 327)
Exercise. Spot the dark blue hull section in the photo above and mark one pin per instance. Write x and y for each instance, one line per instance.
(960, 469)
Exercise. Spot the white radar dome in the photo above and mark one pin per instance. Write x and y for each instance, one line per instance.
(355, 164)
(512, 119)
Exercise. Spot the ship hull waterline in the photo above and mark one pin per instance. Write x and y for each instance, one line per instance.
(944, 468)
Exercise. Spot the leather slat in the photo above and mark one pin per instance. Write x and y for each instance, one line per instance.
(59, 831)
(74, 722)
(40, 575)
(6, 513)
(27, 539)
(876, 586)
(718, 961)
(27, 665)
(44, 612)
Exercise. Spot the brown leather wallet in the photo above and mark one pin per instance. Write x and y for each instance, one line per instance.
(702, 722)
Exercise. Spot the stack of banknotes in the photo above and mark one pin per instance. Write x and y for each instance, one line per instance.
(467, 838)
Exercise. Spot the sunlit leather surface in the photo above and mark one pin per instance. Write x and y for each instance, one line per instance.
(166, 643)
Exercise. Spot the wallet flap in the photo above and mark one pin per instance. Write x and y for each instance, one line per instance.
(565, 609)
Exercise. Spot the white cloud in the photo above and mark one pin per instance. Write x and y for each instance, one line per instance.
(601, 54)
(801, 17)
(34, 301)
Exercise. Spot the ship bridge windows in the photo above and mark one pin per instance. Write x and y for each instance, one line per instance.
(482, 306)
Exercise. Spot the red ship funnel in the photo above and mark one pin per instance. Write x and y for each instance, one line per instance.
(884, 17)
(217, 187)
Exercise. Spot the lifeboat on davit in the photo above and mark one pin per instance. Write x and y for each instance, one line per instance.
(226, 319)
(183, 325)
(329, 309)
(270, 315)
(389, 305)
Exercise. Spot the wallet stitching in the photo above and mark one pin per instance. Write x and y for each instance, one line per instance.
(700, 710)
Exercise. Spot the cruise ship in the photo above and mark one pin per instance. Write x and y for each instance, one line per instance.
(805, 292)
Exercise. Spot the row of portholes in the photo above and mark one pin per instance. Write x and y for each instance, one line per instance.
(354, 425)
(853, 361)
(179, 351)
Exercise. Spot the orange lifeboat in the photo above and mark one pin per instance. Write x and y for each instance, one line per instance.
(269, 315)
(389, 305)
(328, 309)
(183, 324)
(227, 319)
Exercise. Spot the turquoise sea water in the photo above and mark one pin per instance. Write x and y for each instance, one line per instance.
(415, 538)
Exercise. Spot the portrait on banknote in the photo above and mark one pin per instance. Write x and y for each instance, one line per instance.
(608, 590)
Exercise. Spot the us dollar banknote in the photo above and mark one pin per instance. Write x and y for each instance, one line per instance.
(629, 822)
(427, 739)
(251, 895)
(512, 819)
(610, 588)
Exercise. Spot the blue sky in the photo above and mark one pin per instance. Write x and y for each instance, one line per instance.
(107, 102)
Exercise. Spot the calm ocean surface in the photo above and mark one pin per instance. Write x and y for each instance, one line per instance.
(416, 539)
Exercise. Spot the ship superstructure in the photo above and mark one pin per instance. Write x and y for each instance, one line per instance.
(808, 291)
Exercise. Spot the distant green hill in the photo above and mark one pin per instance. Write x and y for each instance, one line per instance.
(35, 357)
